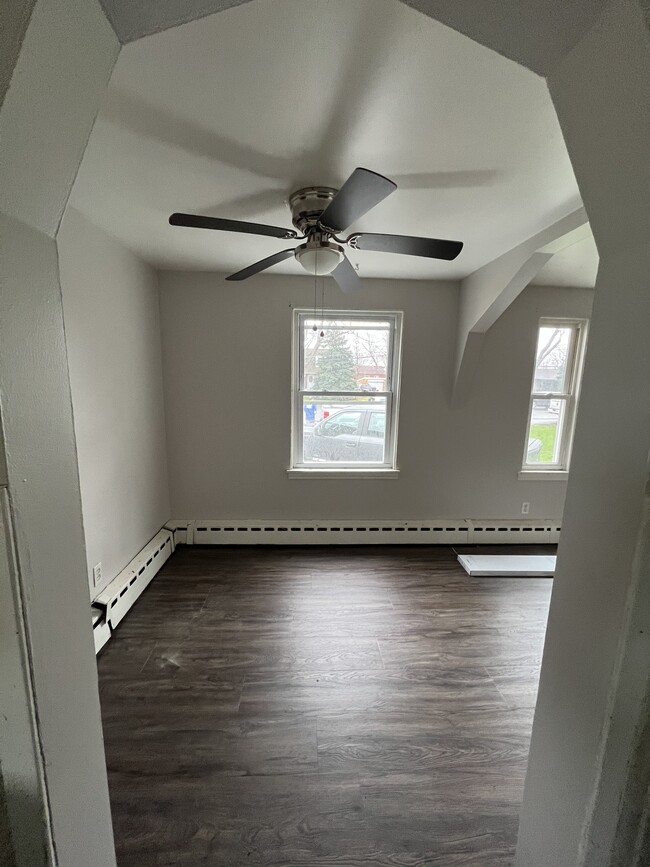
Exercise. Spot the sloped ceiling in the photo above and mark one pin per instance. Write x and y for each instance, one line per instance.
(575, 266)
(535, 34)
(229, 114)
(133, 19)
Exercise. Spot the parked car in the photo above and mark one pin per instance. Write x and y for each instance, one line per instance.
(353, 433)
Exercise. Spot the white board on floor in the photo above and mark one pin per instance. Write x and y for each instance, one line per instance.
(508, 565)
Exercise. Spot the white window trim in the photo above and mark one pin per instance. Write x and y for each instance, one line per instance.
(543, 475)
(327, 473)
(560, 469)
(388, 469)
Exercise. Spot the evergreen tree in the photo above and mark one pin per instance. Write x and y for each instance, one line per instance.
(335, 363)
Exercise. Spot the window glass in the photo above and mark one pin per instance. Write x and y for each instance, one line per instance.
(341, 424)
(351, 355)
(347, 369)
(545, 431)
(336, 432)
(552, 359)
(377, 424)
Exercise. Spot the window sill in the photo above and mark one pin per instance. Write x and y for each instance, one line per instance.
(543, 475)
(305, 473)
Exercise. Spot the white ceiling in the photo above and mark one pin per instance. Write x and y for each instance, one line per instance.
(228, 114)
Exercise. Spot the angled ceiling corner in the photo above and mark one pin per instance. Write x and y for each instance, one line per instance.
(535, 35)
(133, 19)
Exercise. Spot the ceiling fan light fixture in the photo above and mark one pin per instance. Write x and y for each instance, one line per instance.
(319, 259)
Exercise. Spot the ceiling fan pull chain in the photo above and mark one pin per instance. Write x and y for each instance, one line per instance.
(315, 327)
(322, 305)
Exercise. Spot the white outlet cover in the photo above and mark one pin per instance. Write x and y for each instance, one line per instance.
(97, 574)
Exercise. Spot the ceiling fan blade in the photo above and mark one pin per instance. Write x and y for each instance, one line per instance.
(262, 265)
(196, 221)
(430, 248)
(346, 277)
(361, 192)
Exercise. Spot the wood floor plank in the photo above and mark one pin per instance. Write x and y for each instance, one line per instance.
(356, 706)
(209, 654)
(130, 702)
(125, 657)
(412, 742)
(240, 820)
(223, 744)
(436, 692)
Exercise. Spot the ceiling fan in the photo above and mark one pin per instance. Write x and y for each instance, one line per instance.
(320, 213)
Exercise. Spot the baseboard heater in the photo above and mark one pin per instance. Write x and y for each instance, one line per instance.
(116, 598)
(101, 629)
(438, 532)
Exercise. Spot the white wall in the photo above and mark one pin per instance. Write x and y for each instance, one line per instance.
(7, 855)
(15, 18)
(594, 678)
(51, 747)
(19, 764)
(110, 304)
(227, 359)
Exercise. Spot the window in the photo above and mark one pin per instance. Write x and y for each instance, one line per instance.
(554, 396)
(345, 390)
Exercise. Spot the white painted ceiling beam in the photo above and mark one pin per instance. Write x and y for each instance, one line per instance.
(490, 290)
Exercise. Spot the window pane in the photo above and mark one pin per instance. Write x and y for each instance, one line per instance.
(377, 424)
(545, 432)
(552, 359)
(343, 430)
(352, 354)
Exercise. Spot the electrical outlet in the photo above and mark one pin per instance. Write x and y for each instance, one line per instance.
(97, 574)
(525, 508)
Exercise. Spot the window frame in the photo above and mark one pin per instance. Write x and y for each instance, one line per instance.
(570, 395)
(362, 469)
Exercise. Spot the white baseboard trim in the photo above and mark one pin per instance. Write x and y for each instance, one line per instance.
(123, 591)
(435, 532)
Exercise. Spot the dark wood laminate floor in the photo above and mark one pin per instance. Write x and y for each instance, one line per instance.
(359, 707)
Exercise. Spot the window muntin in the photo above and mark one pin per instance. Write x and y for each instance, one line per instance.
(554, 395)
(345, 390)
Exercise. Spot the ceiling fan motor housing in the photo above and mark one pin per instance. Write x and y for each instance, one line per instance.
(307, 205)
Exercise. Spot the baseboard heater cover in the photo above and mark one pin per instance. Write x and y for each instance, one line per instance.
(120, 595)
(101, 629)
(435, 532)
(508, 565)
